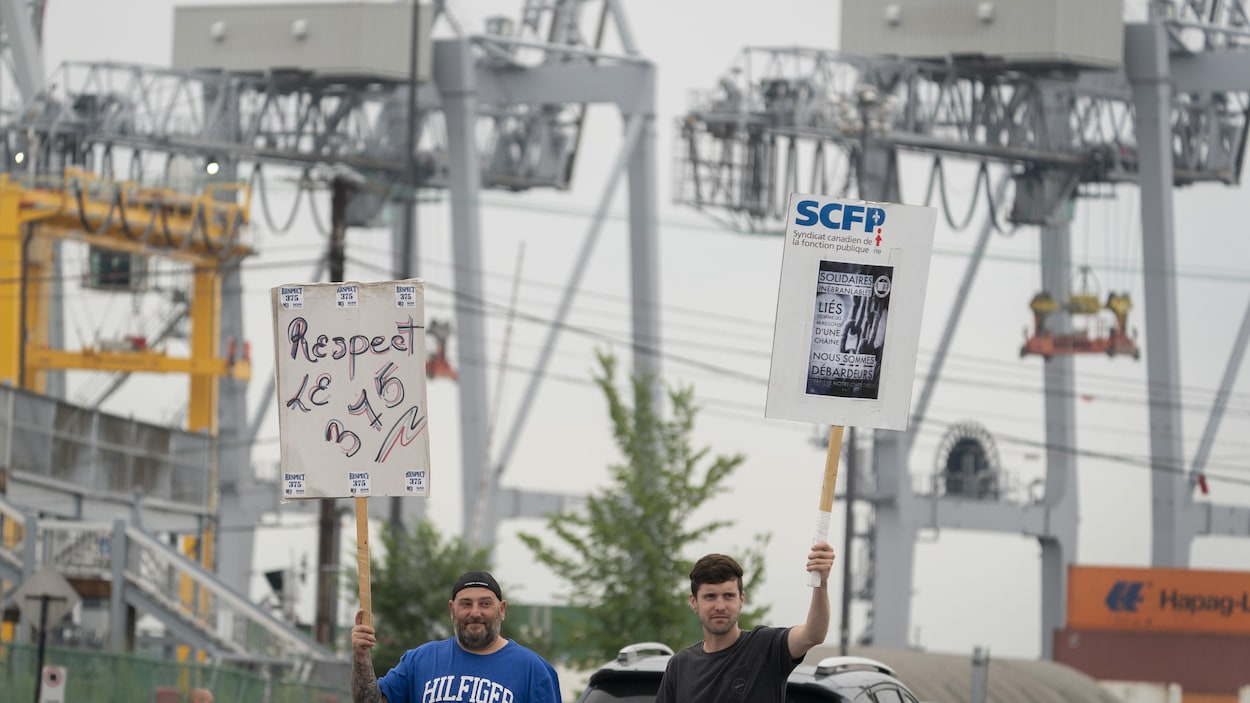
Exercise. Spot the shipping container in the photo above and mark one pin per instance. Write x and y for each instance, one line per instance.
(1158, 600)
(1200, 664)
(1142, 692)
(1211, 698)
(367, 41)
(1012, 33)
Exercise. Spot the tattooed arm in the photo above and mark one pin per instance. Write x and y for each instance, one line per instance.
(364, 681)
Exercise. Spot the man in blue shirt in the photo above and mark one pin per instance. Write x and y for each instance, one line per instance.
(476, 666)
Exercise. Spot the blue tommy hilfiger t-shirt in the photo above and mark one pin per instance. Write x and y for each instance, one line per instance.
(443, 671)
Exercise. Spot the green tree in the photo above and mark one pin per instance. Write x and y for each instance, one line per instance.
(411, 585)
(624, 555)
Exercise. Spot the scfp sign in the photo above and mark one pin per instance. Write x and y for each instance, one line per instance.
(836, 215)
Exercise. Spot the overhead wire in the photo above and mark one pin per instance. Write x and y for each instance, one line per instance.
(937, 176)
(531, 282)
(1092, 383)
(721, 372)
(601, 333)
(1205, 273)
(259, 181)
(1103, 379)
(498, 201)
(322, 228)
(636, 346)
(722, 408)
(1082, 393)
(1138, 461)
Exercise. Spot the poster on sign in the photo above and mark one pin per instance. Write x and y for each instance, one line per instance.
(849, 304)
(350, 367)
(52, 686)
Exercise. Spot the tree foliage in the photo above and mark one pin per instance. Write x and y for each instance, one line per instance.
(625, 554)
(412, 585)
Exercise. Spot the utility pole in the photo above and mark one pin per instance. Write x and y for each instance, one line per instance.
(327, 527)
(408, 203)
(43, 598)
(848, 537)
(980, 674)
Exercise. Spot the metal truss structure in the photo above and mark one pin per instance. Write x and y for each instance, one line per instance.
(806, 120)
(769, 128)
(295, 119)
(504, 109)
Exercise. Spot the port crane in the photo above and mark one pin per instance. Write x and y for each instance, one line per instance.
(503, 108)
(1169, 110)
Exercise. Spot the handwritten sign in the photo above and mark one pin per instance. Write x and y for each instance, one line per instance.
(350, 366)
(853, 277)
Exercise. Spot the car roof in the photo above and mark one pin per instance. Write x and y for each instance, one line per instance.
(640, 658)
(643, 650)
(845, 675)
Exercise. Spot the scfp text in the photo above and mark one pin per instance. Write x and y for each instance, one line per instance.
(811, 211)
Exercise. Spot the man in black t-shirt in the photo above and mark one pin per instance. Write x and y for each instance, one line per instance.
(734, 666)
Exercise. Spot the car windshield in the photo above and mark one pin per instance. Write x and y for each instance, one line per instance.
(813, 694)
(887, 693)
(629, 690)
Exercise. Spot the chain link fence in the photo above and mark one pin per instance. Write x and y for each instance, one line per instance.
(102, 677)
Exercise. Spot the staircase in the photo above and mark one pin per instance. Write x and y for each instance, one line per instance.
(139, 571)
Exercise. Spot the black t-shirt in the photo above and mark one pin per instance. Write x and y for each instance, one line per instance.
(751, 670)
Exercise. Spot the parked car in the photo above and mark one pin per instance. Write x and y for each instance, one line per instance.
(634, 677)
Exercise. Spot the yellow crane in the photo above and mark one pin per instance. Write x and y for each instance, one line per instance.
(202, 230)
(206, 231)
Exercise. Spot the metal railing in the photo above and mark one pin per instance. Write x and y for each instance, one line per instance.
(12, 537)
(50, 449)
(193, 605)
(995, 485)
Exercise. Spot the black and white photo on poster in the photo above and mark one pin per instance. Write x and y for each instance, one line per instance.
(848, 329)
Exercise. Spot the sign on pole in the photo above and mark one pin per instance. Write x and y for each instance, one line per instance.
(849, 304)
(853, 276)
(350, 366)
(45, 589)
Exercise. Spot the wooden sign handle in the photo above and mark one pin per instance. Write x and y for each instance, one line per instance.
(362, 557)
(832, 456)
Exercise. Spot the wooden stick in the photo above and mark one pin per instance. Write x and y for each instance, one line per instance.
(832, 457)
(830, 482)
(362, 557)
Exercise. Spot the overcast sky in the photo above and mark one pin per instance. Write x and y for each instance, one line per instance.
(718, 292)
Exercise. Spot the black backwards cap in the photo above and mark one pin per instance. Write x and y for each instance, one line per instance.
(476, 579)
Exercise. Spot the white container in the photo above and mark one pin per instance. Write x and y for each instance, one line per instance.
(346, 40)
(1018, 33)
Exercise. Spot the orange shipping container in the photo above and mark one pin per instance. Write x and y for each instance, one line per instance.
(1214, 665)
(1159, 600)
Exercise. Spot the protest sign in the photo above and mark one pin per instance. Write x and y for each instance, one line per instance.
(849, 304)
(350, 367)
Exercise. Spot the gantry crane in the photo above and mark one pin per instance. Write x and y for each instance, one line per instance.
(201, 230)
(1172, 112)
(196, 229)
(501, 109)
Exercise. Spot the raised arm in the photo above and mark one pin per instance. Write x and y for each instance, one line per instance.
(364, 681)
(812, 632)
